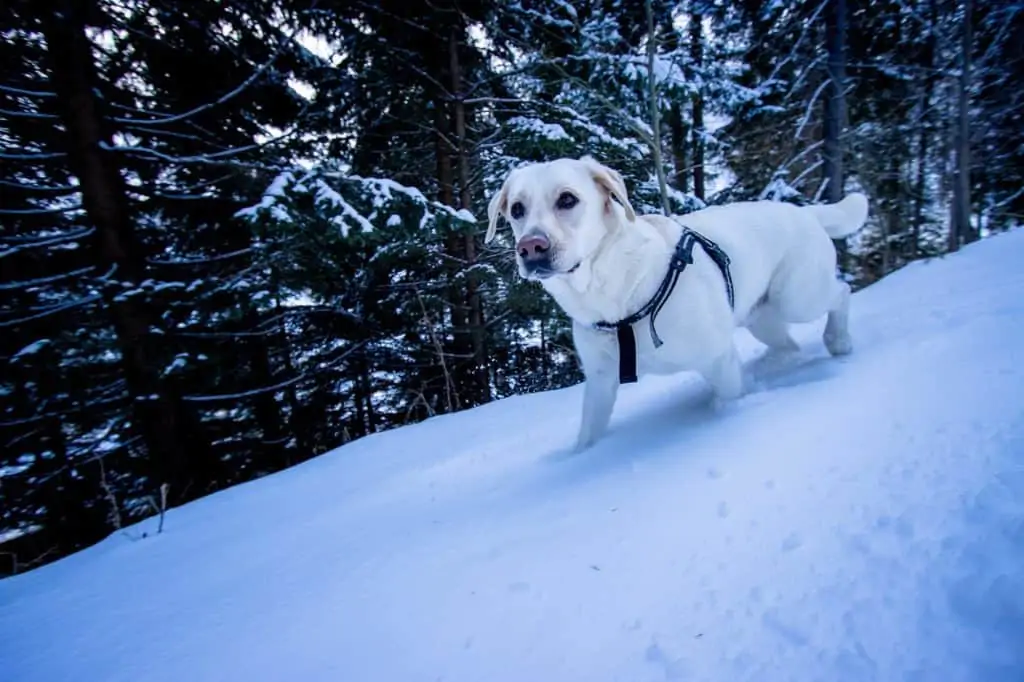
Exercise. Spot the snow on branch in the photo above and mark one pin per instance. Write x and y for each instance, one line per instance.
(326, 195)
(31, 349)
(779, 190)
(347, 201)
(552, 132)
(383, 190)
(271, 200)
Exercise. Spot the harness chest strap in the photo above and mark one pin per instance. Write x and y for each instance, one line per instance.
(681, 257)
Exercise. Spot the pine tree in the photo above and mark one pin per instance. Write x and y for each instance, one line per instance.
(206, 280)
(129, 168)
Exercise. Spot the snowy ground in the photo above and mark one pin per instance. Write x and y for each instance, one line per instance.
(854, 519)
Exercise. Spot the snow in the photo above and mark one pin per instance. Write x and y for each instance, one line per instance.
(325, 194)
(8, 535)
(330, 202)
(849, 519)
(179, 362)
(666, 72)
(31, 349)
(552, 132)
(275, 191)
(568, 8)
(778, 190)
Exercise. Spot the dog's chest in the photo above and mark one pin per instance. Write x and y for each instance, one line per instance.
(681, 346)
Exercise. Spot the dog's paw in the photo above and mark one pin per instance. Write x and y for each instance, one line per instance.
(838, 344)
(583, 444)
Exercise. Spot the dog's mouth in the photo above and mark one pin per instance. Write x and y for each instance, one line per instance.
(546, 271)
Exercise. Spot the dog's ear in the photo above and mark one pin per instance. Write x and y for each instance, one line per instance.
(497, 206)
(612, 183)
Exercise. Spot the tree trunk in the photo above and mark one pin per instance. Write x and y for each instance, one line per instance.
(960, 221)
(835, 109)
(924, 134)
(979, 197)
(445, 175)
(897, 161)
(160, 417)
(300, 429)
(655, 106)
(446, 184)
(266, 408)
(363, 394)
(545, 355)
(476, 314)
(677, 128)
(697, 56)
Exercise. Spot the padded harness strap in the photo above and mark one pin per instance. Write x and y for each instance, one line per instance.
(681, 257)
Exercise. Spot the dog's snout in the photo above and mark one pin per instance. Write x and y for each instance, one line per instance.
(534, 247)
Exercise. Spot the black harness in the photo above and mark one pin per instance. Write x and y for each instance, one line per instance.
(681, 257)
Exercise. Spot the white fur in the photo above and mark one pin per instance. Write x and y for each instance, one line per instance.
(783, 269)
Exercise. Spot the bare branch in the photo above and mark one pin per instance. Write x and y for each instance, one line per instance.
(807, 171)
(32, 156)
(25, 284)
(269, 389)
(810, 107)
(54, 210)
(21, 92)
(27, 114)
(50, 311)
(27, 186)
(81, 234)
(201, 259)
(163, 120)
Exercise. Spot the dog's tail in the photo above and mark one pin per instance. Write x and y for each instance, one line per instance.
(842, 218)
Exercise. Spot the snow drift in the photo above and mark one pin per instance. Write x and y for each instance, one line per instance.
(850, 519)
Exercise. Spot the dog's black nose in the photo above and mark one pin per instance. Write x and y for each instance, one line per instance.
(533, 247)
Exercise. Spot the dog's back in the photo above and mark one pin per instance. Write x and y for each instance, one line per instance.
(838, 220)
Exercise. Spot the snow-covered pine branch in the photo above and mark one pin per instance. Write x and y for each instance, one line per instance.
(350, 202)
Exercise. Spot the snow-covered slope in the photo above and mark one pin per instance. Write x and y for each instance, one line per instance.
(853, 519)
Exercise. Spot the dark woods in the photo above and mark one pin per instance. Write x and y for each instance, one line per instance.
(235, 235)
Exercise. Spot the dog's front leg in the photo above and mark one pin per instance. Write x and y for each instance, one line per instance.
(599, 394)
(598, 355)
(726, 375)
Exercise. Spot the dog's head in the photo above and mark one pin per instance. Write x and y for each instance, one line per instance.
(559, 212)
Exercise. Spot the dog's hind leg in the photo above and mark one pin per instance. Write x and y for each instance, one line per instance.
(837, 327)
(767, 326)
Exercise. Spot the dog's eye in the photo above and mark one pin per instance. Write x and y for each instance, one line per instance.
(566, 200)
(517, 211)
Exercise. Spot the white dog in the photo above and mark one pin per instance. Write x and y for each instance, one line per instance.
(602, 263)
